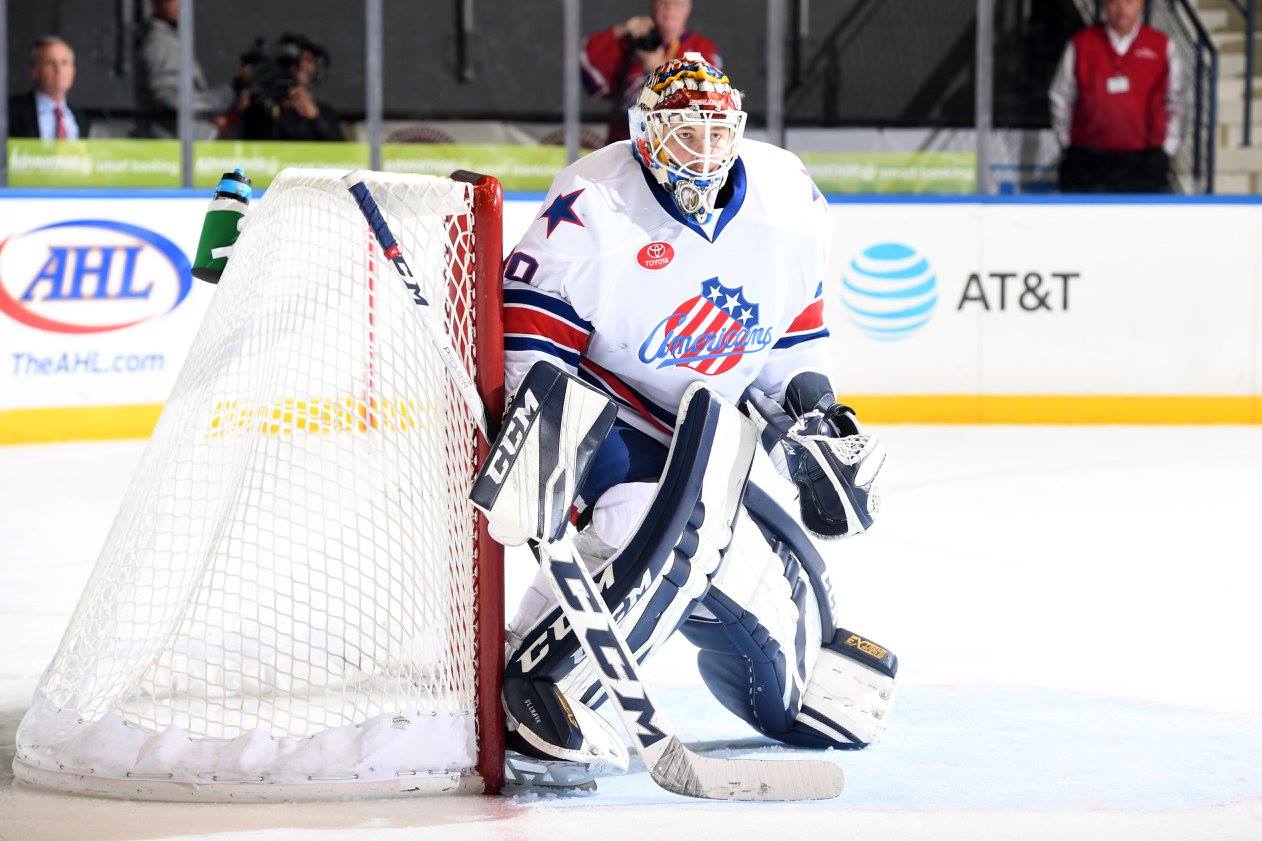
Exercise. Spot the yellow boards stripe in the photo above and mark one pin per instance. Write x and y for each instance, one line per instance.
(1056, 408)
(77, 423)
(98, 423)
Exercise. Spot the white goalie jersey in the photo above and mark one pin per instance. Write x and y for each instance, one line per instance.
(614, 284)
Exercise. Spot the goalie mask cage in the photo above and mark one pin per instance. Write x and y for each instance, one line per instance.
(296, 599)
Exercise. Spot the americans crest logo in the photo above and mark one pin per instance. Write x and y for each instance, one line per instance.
(708, 333)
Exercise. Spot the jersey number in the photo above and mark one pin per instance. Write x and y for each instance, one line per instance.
(520, 267)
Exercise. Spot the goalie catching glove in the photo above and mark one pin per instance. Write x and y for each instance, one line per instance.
(833, 463)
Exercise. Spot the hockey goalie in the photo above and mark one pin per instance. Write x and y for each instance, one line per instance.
(679, 274)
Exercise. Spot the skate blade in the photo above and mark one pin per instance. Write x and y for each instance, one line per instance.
(554, 776)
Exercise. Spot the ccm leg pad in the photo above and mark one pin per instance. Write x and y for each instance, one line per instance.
(849, 695)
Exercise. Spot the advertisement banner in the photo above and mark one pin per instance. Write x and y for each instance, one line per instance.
(939, 311)
(896, 282)
(527, 168)
(94, 163)
(1118, 299)
(97, 305)
(264, 159)
(523, 168)
(156, 163)
(906, 173)
(1005, 309)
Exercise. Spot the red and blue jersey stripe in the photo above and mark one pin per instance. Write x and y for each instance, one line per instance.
(808, 326)
(537, 322)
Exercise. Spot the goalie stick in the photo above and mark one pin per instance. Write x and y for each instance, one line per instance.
(354, 181)
(543, 450)
(670, 763)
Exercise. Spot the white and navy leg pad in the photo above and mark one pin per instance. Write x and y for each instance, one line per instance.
(849, 695)
(769, 649)
(758, 629)
(786, 535)
(652, 582)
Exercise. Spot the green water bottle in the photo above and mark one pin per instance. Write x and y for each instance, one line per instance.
(219, 228)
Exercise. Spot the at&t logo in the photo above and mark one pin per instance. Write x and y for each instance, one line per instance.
(90, 276)
(889, 291)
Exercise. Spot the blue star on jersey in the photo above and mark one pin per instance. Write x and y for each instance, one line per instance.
(708, 333)
(816, 195)
(562, 210)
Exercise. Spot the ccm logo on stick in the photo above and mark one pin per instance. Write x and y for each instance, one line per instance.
(514, 433)
(610, 657)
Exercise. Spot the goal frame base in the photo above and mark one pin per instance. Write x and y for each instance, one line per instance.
(141, 787)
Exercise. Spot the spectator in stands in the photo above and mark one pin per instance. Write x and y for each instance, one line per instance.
(1115, 103)
(617, 60)
(274, 93)
(44, 112)
(158, 78)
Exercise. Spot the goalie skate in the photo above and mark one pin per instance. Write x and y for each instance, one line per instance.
(556, 776)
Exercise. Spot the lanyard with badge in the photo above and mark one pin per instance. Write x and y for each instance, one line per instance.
(1119, 82)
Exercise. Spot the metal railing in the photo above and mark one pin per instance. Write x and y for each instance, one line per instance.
(1248, 9)
(1194, 162)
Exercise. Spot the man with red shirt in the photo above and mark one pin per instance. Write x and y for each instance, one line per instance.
(1115, 105)
(616, 61)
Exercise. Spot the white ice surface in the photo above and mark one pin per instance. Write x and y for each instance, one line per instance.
(1075, 610)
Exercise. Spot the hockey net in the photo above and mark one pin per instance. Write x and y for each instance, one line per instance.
(296, 599)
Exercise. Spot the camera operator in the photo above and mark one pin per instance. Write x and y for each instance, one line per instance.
(617, 60)
(274, 99)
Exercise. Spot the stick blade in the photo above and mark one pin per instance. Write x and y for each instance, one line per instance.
(679, 770)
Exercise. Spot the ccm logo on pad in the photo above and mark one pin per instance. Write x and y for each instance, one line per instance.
(656, 255)
(514, 434)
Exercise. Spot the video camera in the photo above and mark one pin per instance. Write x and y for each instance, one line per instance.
(648, 42)
(273, 67)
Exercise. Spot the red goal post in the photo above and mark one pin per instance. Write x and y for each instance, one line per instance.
(488, 221)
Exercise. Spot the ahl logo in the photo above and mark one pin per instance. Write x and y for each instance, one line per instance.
(708, 333)
(890, 291)
(656, 255)
(90, 276)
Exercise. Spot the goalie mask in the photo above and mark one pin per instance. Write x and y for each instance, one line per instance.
(685, 129)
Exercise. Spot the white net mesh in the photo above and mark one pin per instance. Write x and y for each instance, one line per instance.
(295, 555)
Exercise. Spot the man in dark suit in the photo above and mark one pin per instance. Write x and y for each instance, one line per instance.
(44, 112)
